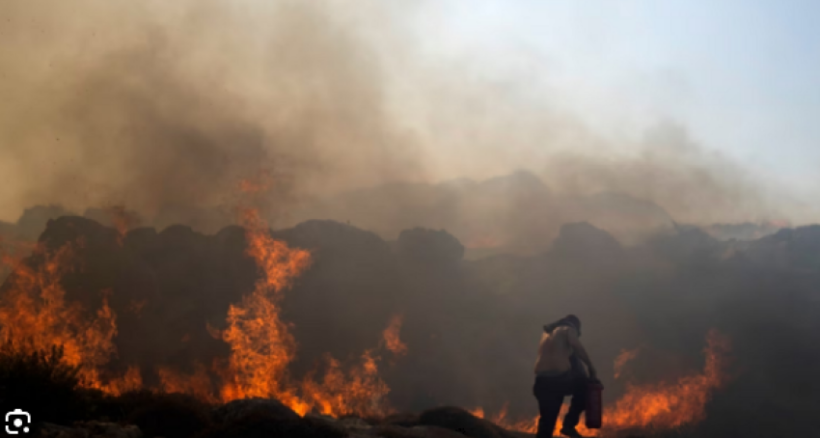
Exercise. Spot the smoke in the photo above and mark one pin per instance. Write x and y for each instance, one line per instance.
(164, 108)
(166, 112)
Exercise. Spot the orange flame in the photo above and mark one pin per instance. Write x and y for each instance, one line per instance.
(391, 336)
(35, 315)
(198, 384)
(669, 406)
(477, 412)
(261, 343)
(360, 392)
(130, 381)
(263, 347)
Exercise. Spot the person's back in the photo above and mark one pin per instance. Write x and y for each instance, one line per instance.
(554, 352)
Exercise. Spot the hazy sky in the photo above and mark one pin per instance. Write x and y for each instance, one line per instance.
(740, 74)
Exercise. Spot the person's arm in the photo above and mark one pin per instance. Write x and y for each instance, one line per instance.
(581, 352)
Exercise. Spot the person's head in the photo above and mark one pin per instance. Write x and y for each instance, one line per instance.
(569, 320)
(574, 321)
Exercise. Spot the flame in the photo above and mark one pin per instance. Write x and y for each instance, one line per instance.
(35, 315)
(361, 391)
(391, 336)
(477, 412)
(198, 384)
(261, 343)
(501, 419)
(262, 346)
(623, 358)
(663, 406)
(669, 406)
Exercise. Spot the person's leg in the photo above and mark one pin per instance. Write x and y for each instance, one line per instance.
(549, 406)
(577, 406)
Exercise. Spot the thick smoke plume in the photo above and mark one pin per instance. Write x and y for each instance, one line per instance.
(163, 109)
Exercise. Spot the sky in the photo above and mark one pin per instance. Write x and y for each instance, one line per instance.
(740, 75)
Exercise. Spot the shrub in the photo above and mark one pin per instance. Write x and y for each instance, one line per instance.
(41, 383)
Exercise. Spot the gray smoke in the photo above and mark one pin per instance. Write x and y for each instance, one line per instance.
(163, 109)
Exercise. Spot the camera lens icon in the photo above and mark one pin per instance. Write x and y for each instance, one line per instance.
(17, 421)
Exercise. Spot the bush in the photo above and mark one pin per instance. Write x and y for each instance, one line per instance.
(42, 384)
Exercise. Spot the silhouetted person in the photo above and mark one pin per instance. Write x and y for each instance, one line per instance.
(558, 373)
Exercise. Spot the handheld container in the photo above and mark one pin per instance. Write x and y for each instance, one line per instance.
(594, 412)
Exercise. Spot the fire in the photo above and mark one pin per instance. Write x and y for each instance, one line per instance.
(130, 381)
(36, 316)
(361, 391)
(261, 343)
(198, 384)
(663, 406)
(623, 358)
(262, 346)
(501, 419)
(391, 336)
(669, 406)
(477, 412)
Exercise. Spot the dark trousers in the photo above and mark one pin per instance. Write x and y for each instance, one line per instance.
(550, 392)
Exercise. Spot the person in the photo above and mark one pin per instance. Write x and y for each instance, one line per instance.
(559, 372)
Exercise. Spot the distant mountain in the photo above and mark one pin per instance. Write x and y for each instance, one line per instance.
(515, 213)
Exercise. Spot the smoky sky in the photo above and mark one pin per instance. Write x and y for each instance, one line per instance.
(160, 107)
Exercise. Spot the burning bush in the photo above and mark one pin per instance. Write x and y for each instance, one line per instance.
(40, 381)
